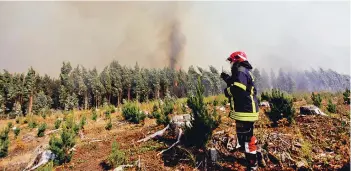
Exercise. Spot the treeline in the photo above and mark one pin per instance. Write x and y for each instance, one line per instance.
(82, 88)
(305, 81)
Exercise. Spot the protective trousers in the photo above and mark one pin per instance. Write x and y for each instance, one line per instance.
(247, 142)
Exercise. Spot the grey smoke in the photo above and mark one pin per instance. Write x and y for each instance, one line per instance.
(176, 44)
(289, 35)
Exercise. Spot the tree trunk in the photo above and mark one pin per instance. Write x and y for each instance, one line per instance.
(166, 91)
(3, 108)
(157, 94)
(118, 100)
(96, 102)
(86, 100)
(128, 93)
(109, 98)
(30, 103)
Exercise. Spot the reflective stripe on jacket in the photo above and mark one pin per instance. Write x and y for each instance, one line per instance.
(243, 91)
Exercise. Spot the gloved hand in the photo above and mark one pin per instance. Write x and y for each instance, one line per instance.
(224, 75)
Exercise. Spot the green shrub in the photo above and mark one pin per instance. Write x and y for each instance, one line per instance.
(47, 167)
(155, 112)
(116, 157)
(61, 146)
(346, 97)
(107, 114)
(82, 122)
(168, 106)
(57, 123)
(162, 119)
(215, 102)
(132, 113)
(183, 108)
(25, 121)
(4, 142)
(203, 123)
(41, 130)
(266, 96)
(112, 109)
(32, 124)
(281, 107)
(331, 107)
(76, 128)
(108, 125)
(70, 123)
(224, 102)
(317, 99)
(43, 115)
(17, 120)
(16, 131)
(94, 115)
(9, 124)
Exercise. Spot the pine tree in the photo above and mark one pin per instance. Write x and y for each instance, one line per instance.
(61, 146)
(282, 106)
(155, 83)
(346, 95)
(204, 122)
(8, 91)
(41, 103)
(116, 80)
(191, 82)
(144, 87)
(4, 142)
(291, 85)
(317, 99)
(136, 82)
(273, 80)
(164, 82)
(331, 107)
(97, 87)
(66, 88)
(87, 79)
(29, 87)
(265, 84)
(258, 80)
(215, 78)
(2, 94)
(80, 89)
(107, 83)
(127, 80)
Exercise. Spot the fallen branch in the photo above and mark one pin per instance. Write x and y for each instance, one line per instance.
(198, 166)
(284, 141)
(121, 167)
(73, 148)
(81, 135)
(158, 133)
(219, 132)
(178, 140)
(95, 141)
(41, 157)
(52, 131)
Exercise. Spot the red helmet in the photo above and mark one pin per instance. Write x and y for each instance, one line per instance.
(238, 56)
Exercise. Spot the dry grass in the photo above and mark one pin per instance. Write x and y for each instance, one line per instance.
(91, 155)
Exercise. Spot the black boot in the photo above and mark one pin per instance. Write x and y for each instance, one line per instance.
(251, 161)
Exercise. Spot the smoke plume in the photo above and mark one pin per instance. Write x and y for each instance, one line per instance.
(175, 44)
(296, 35)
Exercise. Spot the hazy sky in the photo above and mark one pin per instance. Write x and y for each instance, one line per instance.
(294, 35)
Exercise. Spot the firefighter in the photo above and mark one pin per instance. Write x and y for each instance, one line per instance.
(242, 92)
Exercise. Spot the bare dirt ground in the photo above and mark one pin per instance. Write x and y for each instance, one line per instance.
(312, 142)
